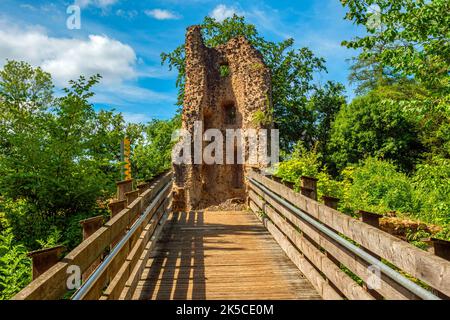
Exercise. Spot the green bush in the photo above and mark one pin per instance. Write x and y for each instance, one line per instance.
(155, 154)
(300, 163)
(377, 186)
(307, 163)
(375, 125)
(15, 266)
(432, 184)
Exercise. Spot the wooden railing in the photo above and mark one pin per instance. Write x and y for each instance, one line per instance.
(335, 271)
(124, 242)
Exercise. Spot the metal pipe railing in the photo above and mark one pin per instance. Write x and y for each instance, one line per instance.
(81, 293)
(391, 273)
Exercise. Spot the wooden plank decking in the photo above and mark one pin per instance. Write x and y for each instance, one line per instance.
(220, 255)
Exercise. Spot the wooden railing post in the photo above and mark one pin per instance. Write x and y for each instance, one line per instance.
(441, 248)
(370, 218)
(117, 206)
(131, 196)
(331, 202)
(44, 259)
(289, 184)
(124, 187)
(90, 226)
(276, 179)
(142, 187)
(309, 187)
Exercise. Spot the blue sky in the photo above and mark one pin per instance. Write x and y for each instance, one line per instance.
(123, 39)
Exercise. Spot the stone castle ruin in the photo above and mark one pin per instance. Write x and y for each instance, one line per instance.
(226, 87)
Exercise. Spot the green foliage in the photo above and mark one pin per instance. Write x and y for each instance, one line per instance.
(432, 184)
(155, 155)
(292, 70)
(263, 118)
(58, 159)
(368, 73)
(53, 239)
(414, 36)
(224, 71)
(15, 266)
(324, 106)
(24, 90)
(416, 238)
(372, 125)
(411, 42)
(307, 163)
(377, 186)
(300, 163)
(47, 157)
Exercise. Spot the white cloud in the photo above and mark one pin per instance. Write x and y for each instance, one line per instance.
(67, 58)
(96, 3)
(136, 117)
(128, 14)
(268, 19)
(221, 12)
(27, 6)
(124, 94)
(161, 14)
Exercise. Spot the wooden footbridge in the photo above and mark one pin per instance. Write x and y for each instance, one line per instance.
(286, 245)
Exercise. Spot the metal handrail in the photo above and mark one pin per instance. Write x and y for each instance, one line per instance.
(81, 293)
(391, 273)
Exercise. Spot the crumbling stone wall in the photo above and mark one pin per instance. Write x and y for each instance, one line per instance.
(221, 102)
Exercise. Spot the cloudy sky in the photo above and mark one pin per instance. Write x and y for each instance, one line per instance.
(123, 39)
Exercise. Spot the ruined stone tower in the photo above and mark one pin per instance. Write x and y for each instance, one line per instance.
(225, 87)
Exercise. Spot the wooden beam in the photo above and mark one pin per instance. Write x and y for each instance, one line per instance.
(420, 264)
(319, 283)
(388, 288)
(52, 283)
(332, 272)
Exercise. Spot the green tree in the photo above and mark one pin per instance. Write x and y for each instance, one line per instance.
(367, 72)
(376, 125)
(414, 35)
(58, 156)
(154, 155)
(292, 76)
(324, 106)
(377, 186)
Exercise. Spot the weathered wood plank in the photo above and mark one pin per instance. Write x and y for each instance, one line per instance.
(50, 285)
(136, 273)
(90, 250)
(342, 281)
(124, 262)
(320, 284)
(219, 255)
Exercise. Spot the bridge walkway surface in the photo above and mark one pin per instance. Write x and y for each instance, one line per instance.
(220, 255)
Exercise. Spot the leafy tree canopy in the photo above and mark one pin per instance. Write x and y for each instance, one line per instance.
(414, 35)
(376, 125)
